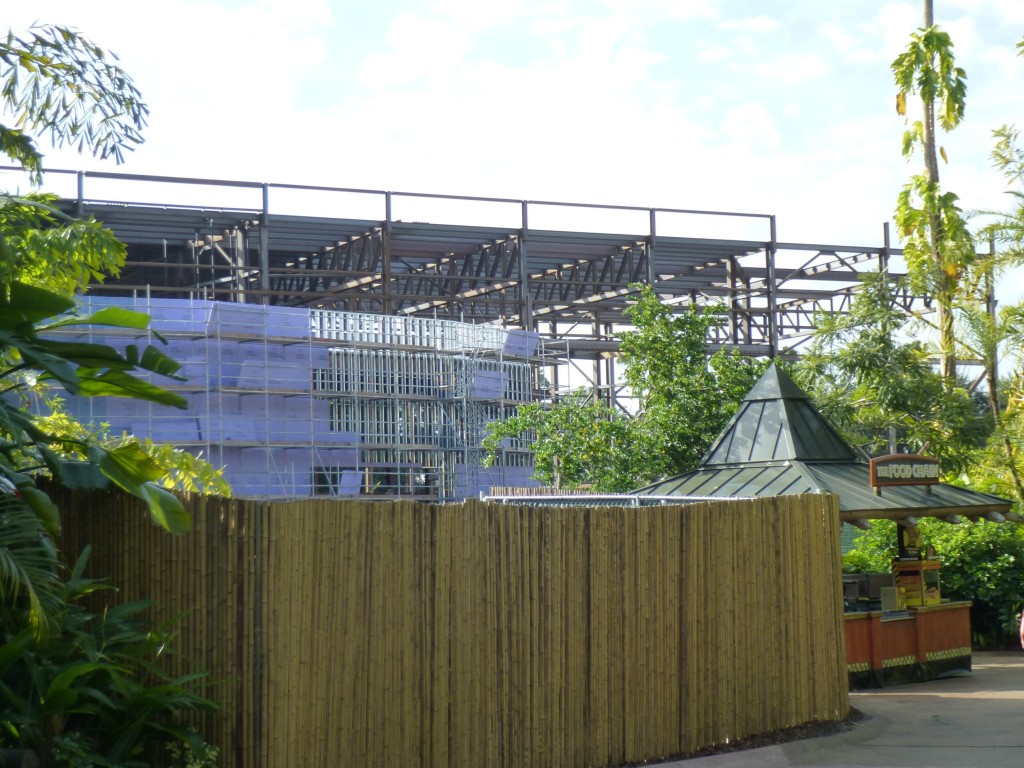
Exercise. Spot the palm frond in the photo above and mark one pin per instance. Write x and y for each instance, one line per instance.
(29, 565)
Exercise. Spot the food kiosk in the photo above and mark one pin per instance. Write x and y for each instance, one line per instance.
(778, 443)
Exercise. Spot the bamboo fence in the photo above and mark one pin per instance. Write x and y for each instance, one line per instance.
(351, 633)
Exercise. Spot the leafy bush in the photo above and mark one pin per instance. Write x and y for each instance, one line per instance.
(982, 562)
(96, 692)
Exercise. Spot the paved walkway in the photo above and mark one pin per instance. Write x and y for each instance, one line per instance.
(975, 721)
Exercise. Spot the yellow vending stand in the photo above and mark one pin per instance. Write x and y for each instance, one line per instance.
(917, 582)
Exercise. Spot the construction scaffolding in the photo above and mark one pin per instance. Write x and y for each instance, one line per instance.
(348, 341)
(294, 402)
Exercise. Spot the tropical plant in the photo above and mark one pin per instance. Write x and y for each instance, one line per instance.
(875, 382)
(55, 81)
(95, 692)
(685, 395)
(27, 314)
(30, 578)
(939, 248)
(684, 398)
(577, 442)
(80, 688)
(981, 561)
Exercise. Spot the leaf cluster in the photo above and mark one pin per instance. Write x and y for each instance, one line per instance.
(30, 584)
(685, 396)
(928, 68)
(27, 314)
(872, 378)
(576, 442)
(40, 245)
(56, 81)
(95, 691)
(981, 561)
(936, 265)
(684, 399)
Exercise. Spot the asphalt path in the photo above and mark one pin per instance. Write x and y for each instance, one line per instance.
(974, 721)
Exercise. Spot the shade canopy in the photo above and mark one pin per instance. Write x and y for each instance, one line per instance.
(779, 444)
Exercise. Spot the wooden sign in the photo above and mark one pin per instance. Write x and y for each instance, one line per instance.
(903, 469)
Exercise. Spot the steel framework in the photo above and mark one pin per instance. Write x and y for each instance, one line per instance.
(570, 282)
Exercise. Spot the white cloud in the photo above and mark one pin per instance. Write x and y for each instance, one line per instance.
(793, 69)
(895, 23)
(690, 9)
(649, 102)
(1008, 13)
(715, 53)
(753, 24)
(752, 127)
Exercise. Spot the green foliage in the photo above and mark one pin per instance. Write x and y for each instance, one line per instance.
(936, 264)
(938, 249)
(579, 442)
(81, 689)
(30, 583)
(55, 81)
(874, 549)
(871, 383)
(193, 755)
(982, 562)
(27, 449)
(928, 68)
(998, 466)
(184, 472)
(684, 400)
(96, 691)
(41, 246)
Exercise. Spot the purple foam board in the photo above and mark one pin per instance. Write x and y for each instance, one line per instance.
(177, 315)
(299, 355)
(126, 407)
(520, 343)
(323, 435)
(197, 372)
(179, 349)
(305, 409)
(319, 357)
(343, 457)
(238, 319)
(288, 322)
(184, 430)
(262, 351)
(350, 483)
(293, 457)
(251, 460)
(296, 379)
(252, 374)
(223, 427)
(489, 384)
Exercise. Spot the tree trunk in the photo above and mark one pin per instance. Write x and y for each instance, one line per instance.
(944, 297)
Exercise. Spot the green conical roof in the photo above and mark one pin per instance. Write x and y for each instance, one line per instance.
(777, 422)
(778, 444)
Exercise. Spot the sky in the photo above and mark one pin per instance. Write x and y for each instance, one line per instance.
(776, 107)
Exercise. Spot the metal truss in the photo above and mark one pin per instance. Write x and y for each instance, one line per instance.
(571, 284)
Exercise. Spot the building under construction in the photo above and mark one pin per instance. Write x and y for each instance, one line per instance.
(294, 402)
(379, 331)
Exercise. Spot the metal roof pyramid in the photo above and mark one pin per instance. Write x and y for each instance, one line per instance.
(779, 444)
(777, 422)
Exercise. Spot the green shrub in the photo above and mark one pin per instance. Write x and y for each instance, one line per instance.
(95, 691)
(982, 562)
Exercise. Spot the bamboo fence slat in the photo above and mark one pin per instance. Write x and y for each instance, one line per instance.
(357, 633)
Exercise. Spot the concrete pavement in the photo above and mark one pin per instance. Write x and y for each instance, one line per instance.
(975, 721)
